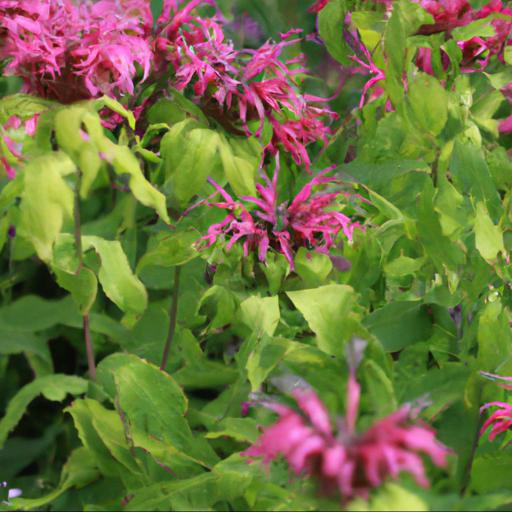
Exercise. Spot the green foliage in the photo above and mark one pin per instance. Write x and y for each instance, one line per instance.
(103, 257)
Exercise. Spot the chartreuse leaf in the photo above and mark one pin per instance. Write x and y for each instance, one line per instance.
(491, 472)
(81, 282)
(488, 237)
(240, 159)
(190, 155)
(47, 201)
(313, 267)
(52, 387)
(124, 161)
(330, 313)
(390, 497)
(79, 470)
(24, 106)
(76, 143)
(428, 102)
(119, 283)
(261, 314)
(115, 106)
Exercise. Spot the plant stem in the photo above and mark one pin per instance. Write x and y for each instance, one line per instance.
(78, 246)
(78, 228)
(466, 477)
(89, 348)
(172, 318)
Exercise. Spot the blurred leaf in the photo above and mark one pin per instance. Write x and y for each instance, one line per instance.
(52, 387)
(488, 237)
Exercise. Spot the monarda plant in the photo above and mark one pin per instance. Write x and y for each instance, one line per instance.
(255, 255)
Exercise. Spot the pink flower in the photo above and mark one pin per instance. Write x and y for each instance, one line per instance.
(450, 14)
(348, 462)
(69, 52)
(318, 5)
(240, 86)
(310, 220)
(500, 420)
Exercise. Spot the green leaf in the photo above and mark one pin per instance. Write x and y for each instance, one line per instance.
(329, 311)
(115, 106)
(494, 337)
(102, 433)
(378, 175)
(155, 406)
(491, 472)
(79, 470)
(471, 175)
(265, 357)
(190, 156)
(240, 159)
(219, 304)
(312, 267)
(53, 387)
(33, 313)
(47, 201)
(124, 161)
(24, 106)
(391, 497)
(170, 249)
(488, 237)
(330, 27)
(428, 102)
(380, 388)
(261, 315)
(196, 493)
(240, 429)
(477, 28)
(119, 283)
(399, 324)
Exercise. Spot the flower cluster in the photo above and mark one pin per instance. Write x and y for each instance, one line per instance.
(349, 462)
(310, 220)
(68, 51)
(240, 86)
(476, 51)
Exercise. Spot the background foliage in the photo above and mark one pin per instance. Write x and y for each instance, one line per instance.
(427, 282)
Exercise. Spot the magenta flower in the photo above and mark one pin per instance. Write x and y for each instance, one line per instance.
(476, 52)
(318, 5)
(69, 52)
(347, 462)
(500, 420)
(310, 220)
(240, 86)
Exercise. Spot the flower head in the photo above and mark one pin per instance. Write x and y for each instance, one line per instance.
(310, 220)
(349, 462)
(71, 51)
(240, 86)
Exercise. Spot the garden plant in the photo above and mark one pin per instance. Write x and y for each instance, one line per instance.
(255, 255)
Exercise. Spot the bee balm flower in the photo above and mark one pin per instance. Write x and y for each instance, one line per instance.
(347, 461)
